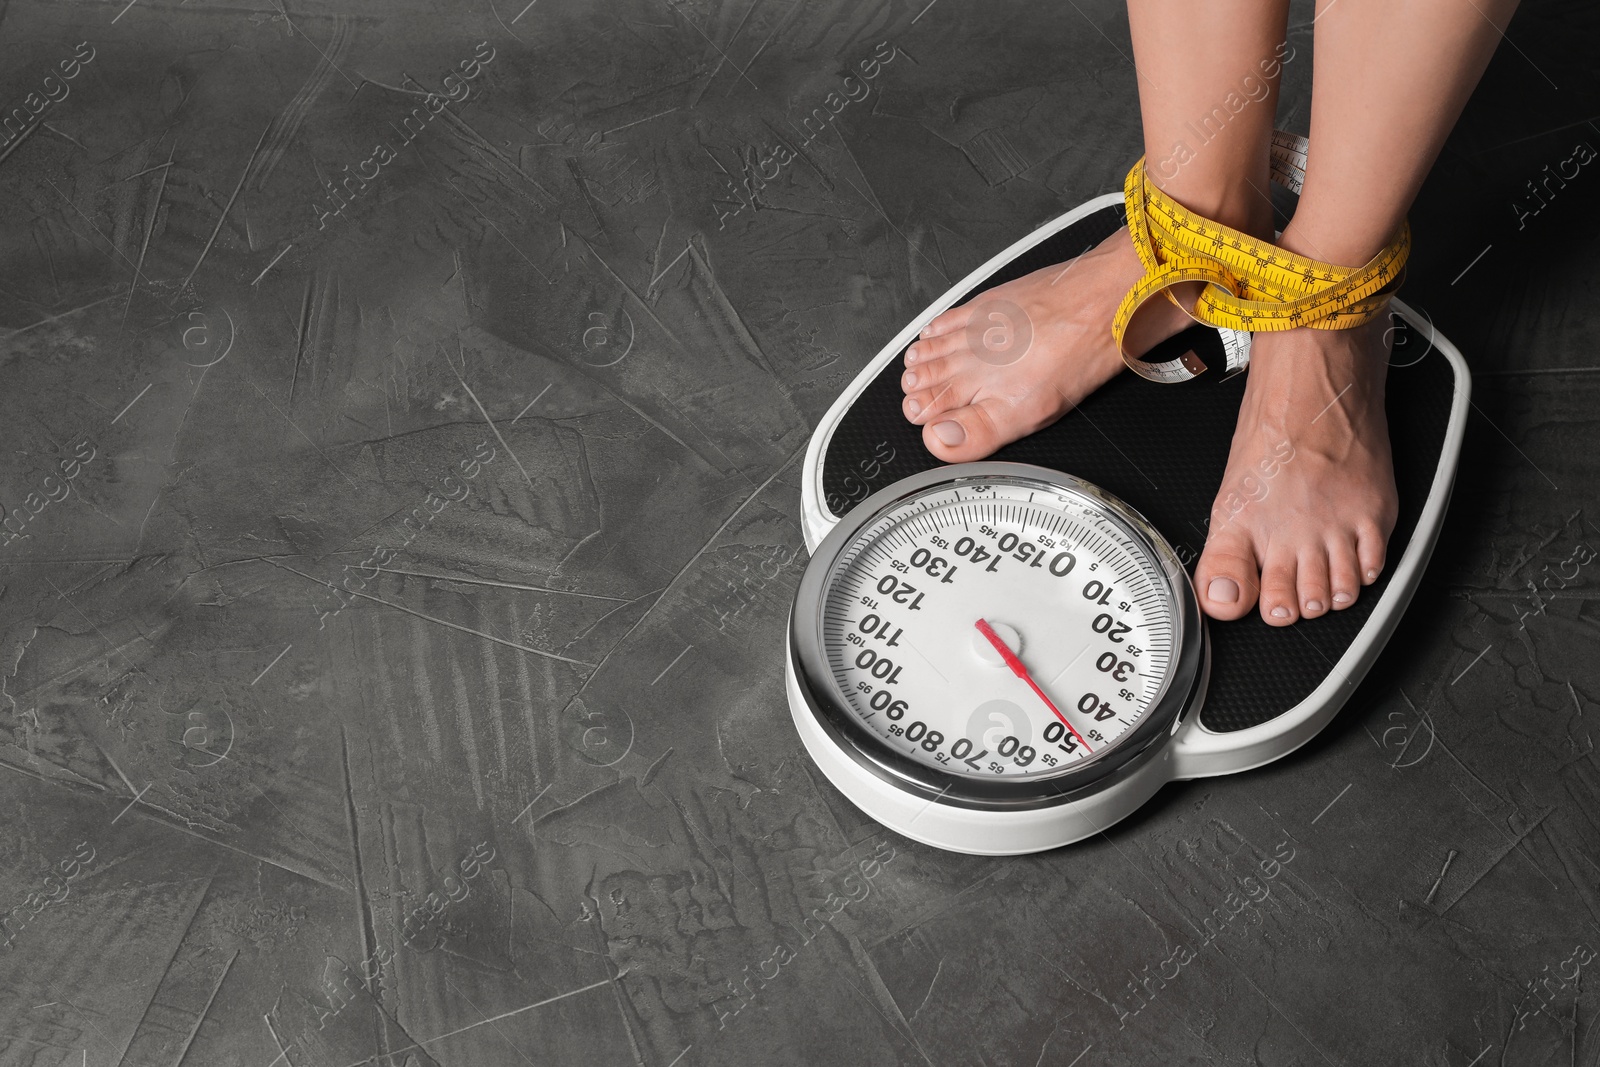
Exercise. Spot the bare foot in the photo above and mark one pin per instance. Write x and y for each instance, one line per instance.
(1308, 500)
(1019, 356)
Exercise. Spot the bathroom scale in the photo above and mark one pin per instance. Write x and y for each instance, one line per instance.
(1007, 656)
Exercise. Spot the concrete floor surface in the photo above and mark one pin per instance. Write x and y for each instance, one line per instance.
(402, 499)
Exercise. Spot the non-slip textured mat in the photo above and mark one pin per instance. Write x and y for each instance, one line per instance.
(1163, 448)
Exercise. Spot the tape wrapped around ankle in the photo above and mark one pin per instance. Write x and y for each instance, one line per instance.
(1251, 285)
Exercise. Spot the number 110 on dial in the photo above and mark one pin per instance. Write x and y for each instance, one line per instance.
(999, 629)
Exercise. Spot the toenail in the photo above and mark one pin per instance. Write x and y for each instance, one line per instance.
(912, 354)
(1313, 605)
(911, 379)
(950, 433)
(916, 408)
(1342, 598)
(1223, 590)
(1280, 612)
(1372, 575)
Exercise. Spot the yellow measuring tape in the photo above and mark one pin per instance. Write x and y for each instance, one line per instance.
(1251, 285)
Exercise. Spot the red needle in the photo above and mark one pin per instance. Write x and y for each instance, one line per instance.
(1020, 671)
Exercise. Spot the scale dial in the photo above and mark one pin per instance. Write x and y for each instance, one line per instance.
(1004, 636)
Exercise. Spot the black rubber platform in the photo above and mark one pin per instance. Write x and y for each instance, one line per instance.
(1162, 448)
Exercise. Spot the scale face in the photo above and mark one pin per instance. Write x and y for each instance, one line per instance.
(995, 638)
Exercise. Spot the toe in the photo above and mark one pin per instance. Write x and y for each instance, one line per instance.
(1370, 546)
(926, 350)
(1226, 577)
(1280, 603)
(947, 322)
(928, 376)
(1344, 571)
(924, 404)
(965, 433)
(1312, 582)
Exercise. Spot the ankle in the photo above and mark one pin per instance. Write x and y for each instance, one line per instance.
(1238, 204)
(1350, 246)
(1352, 363)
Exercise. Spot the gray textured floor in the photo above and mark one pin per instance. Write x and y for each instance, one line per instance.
(536, 777)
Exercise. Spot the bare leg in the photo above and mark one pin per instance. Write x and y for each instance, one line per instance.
(1208, 91)
(1208, 80)
(1308, 501)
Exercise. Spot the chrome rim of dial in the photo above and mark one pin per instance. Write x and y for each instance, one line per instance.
(915, 691)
